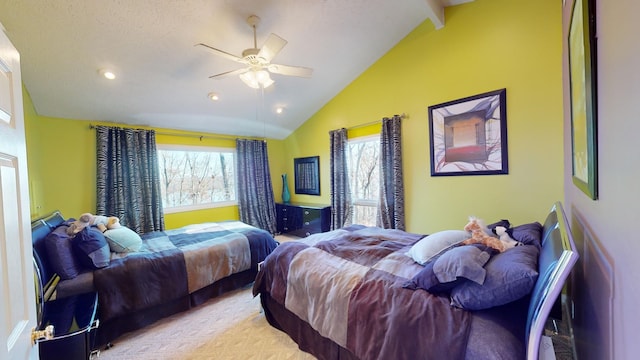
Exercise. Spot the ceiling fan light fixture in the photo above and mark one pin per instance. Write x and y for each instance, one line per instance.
(213, 96)
(108, 74)
(257, 79)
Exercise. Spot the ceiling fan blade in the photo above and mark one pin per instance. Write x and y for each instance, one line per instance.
(272, 47)
(229, 73)
(290, 70)
(224, 54)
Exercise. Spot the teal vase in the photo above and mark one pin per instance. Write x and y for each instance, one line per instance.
(286, 196)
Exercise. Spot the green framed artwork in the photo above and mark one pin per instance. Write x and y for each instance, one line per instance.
(582, 81)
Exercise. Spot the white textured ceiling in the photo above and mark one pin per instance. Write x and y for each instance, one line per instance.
(163, 79)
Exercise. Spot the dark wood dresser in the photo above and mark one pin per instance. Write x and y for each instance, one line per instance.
(302, 219)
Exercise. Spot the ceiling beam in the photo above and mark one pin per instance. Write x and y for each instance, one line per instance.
(436, 13)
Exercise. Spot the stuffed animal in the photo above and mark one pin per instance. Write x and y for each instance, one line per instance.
(88, 219)
(505, 237)
(479, 235)
(111, 223)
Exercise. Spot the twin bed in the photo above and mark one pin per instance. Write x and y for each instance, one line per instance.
(173, 270)
(354, 293)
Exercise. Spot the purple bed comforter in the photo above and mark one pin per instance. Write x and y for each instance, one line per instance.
(347, 285)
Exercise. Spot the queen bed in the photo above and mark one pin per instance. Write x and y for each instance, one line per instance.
(171, 271)
(359, 293)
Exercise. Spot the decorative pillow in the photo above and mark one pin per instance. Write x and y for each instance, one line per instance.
(91, 248)
(528, 234)
(510, 276)
(462, 262)
(123, 239)
(426, 279)
(60, 253)
(443, 273)
(434, 244)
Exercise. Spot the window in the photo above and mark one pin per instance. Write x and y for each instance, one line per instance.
(364, 178)
(196, 177)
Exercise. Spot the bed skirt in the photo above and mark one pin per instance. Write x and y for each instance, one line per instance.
(113, 328)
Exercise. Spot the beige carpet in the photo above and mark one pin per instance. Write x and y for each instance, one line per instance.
(232, 326)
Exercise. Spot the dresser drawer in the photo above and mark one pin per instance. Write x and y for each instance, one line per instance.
(302, 220)
(288, 218)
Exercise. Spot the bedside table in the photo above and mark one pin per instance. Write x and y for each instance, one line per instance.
(73, 319)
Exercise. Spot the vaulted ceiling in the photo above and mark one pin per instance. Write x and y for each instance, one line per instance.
(162, 79)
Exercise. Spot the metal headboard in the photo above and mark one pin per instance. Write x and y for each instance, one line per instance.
(557, 258)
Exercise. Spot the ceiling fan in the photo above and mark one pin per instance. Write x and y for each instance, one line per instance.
(258, 61)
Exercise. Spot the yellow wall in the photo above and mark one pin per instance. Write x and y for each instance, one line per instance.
(484, 46)
(62, 167)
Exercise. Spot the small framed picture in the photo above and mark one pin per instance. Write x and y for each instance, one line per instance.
(307, 175)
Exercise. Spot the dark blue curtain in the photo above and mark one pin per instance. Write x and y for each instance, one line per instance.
(391, 202)
(341, 209)
(256, 203)
(128, 178)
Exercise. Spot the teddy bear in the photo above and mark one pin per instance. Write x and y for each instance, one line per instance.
(111, 223)
(85, 220)
(479, 235)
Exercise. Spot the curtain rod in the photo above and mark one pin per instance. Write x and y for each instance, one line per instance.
(201, 137)
(402, 116)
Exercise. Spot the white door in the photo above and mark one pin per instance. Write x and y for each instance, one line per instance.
(17, 294)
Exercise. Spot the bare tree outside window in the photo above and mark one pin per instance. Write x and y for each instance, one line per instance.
(364, 176)
(197, 178)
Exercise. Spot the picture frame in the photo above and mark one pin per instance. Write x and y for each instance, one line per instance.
(469, 136)
(582, 84)
(307, 175)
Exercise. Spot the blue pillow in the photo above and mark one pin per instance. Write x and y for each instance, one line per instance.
(60, 253)
(91, 248)
(528, 234)
(451, 268)
(122, 239)
(510, 276)
(462, 262)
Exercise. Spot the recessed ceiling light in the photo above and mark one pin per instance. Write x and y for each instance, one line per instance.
(213, 96)
(279, 110)
(107, 74)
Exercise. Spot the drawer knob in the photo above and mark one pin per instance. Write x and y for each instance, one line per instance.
(306, 223)
(306, 212)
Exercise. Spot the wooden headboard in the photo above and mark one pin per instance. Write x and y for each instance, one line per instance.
(557, 258)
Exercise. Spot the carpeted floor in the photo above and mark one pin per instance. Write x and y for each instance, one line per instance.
(222, 328)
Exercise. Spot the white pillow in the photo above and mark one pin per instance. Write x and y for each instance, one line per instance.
(431, 245)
